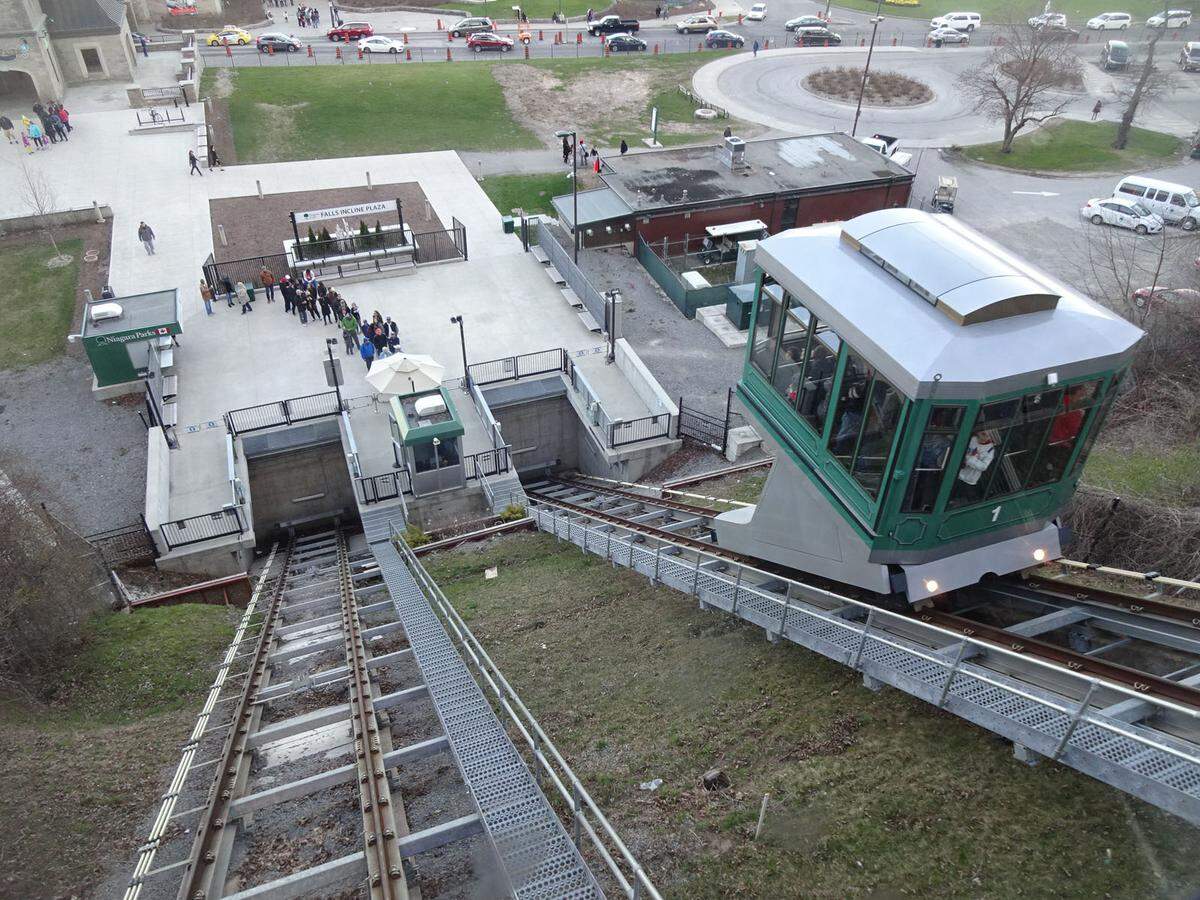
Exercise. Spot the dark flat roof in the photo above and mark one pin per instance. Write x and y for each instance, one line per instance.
(153, 310)
(693, 176)
(83, 16)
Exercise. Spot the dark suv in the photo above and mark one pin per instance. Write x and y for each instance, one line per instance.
(476, 25)
(815, 37)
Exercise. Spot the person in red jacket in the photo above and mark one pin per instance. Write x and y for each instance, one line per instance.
(64, 117)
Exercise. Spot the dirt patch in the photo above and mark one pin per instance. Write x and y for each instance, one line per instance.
(888, 89)
(242, 12)
(278, 121)
(256, 227)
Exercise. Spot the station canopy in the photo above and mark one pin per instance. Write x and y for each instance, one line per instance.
(929, 300)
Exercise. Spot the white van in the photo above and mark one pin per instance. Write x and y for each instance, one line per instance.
(1176, 203)
(959, 21)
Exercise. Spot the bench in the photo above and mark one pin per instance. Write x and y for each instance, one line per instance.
(202, 144)
(170, 415)
(539, 254)
(166, 359)
(589, 321)
(555, 276)
(170, 387)
(571, 297)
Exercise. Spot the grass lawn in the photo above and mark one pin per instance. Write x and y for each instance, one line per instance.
(81, 774)
(1171, 477)
(993, 11)
(1073, 146)
(39, 302)
(328, 111)
(870, 794)
(531, 192)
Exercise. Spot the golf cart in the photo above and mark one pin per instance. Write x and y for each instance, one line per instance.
(945, 194)
(721, 241)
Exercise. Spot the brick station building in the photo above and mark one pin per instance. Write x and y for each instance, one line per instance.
(784, 182)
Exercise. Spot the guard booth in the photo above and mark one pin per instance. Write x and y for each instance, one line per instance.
(126, 338)
(427, 438)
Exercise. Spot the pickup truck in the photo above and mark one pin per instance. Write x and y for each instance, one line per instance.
(888, 146)
(612, 25)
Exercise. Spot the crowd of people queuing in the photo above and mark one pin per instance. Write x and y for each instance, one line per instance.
(48, 125)
(311, 300)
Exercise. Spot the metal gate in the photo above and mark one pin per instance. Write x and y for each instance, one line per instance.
(700, 427)
(129, 544)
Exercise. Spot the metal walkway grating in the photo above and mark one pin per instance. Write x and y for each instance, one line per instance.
(377, 520)
(534, 848)
(1149, 764)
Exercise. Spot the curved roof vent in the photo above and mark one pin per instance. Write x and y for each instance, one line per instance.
(948, 266)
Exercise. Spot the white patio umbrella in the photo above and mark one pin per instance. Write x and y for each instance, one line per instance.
(405, 373)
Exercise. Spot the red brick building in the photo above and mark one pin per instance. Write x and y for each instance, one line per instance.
(784, 182)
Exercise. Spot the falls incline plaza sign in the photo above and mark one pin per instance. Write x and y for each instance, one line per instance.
(343, 212)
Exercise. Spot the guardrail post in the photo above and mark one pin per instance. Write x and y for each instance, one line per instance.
(862, 640)
(962, 648)
(657, 556)
(737, 587)
(283, 408)
(1083, 705)
(575, 805)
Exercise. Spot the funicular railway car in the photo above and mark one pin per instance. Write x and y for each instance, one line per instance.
(930, 398)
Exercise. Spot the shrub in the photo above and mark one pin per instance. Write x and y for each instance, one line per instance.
(414, 536)
(512, 513)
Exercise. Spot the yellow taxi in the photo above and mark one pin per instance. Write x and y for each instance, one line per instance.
(230, 34)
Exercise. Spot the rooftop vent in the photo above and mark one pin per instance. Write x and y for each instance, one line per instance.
(430, 405)
(733, 152)
(948, 266)
(101, 312)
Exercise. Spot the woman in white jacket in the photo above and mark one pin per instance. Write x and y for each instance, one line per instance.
(980, 453)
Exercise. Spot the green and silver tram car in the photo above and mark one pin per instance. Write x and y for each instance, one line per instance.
(931, 400)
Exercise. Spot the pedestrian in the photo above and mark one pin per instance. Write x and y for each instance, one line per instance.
(624, 147)
(378, 339)
(214, 161)
(228, 285)
(206, 294)
(57, 127)
(28, 144)
(46, 129)
(658, 11)
(367, 352)
(285, 288)
(754, 48)
(244, 296)
(354, 312)
(566, 149)
(35, 134)
(64, 117)
(194, 164)
(146, 236)
(145, 45)
(1096, 111)
(349, 331)
(301, 309)
(390, 326)
(596, 162)
(326, 311)
(393, 343)
(728, 132)
(267, 279)
(590, 14)
(6, 126)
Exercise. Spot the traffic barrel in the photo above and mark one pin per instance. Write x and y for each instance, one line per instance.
(656, 48)
(541, 37)
(406, 37)
(893, 40)
(448, 57)
(527, 51)
(439, 28)
(228, 49)
(579, 37)
(450, 37)
(270, 49)
(310, 52)
(337, 52)
(408, 53)
(767, 44)
(739, 18)
(862, 42)
(360, 54)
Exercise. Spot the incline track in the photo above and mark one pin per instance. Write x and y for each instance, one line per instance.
(1033, 674)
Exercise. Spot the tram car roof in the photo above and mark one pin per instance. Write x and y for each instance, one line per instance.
(929, 301)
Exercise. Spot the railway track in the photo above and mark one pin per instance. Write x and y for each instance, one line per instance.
(1143, 674)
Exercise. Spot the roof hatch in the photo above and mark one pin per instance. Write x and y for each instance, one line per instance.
(943, 264)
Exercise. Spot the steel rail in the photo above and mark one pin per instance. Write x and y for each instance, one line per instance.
(634, 495)
(713, 474)
(1140, 606)
(196, 884)
(166, 810)
(384, 863)
(953, 636)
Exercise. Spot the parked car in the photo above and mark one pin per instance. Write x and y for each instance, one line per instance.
(475, 25)
(697, 24)
(1059, 32)
(1157, 294)
(1114, 55)
(963, 21)
(1175, 204)
(280, 43)
(757, 13)
(613, 25)
(804, 22)
(811, 37)
(1189, 56)
(1122, 213)
(350, 31)
(380, 44)
(1172, 18)
(1109, 22)
(488, 40)
(230, 34)
(1050, 18)
(624, 42)
(946, 35)
(722, 39)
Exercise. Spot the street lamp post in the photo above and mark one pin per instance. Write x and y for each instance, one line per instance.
(867, 68)
(330, 343)
(458, 320)
(575, 185)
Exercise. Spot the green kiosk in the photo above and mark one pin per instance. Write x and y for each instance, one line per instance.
(427, 438)
(130, 338)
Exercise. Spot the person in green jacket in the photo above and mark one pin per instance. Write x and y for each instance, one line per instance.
(349, 331)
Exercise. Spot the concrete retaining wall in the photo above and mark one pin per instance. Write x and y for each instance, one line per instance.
(158, 484)
(644, 384)
(542, 433)
(298, 485)
(63, 217)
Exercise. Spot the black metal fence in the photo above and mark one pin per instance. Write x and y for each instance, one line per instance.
(486, 463)
(282, 412)
(222, 276)
(388, 486)
(206, 527)
(510, 368)
(701, 427)
(435, 246)
(125, 545)
(645, 429)
(160, 116)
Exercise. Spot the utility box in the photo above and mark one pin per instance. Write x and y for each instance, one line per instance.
(118, 333)
(509, 224)
(739, 304)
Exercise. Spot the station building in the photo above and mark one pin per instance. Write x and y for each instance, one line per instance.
(784, 182)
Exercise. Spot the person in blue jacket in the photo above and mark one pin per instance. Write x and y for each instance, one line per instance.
(367, 351)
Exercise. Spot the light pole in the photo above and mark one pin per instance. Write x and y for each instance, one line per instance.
(330, 343)
(575, 185)
(458, 320)
(867, 68)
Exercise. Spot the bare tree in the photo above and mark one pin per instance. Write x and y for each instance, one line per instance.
(1151, 82)
(37, 192)
(1021, 80)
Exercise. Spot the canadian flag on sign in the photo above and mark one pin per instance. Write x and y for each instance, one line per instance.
(163, 330)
